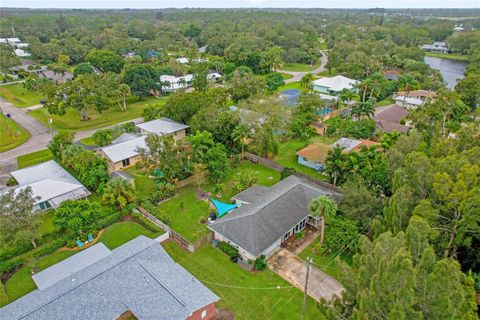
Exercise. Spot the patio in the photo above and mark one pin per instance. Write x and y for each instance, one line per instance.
(297, 244)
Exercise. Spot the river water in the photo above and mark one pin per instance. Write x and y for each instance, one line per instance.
(451, 70)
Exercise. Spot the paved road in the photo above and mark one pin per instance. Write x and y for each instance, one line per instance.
(293, 269)
(297, 75)
(40, 134)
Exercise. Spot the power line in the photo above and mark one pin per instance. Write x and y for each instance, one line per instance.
(247, 288)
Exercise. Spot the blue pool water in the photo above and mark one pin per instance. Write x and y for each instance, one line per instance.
(324, 111)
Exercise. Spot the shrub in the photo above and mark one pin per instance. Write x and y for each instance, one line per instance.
(299, 235)
(230, 250)
(286, 173)
(163, 192)
(260, 263)
(11, 182)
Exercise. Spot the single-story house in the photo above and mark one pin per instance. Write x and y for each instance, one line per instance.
(389, 118)
(182, 60)
(437, 47)
(334, 85)
(57, 77)
(10, 40)
(267, 216)
(313, 155)
(171, 83)
(21, 53)
(163, 126)
(353, 145)
(413, 99)
(124, 151)
(50, 185)
(136, 280)
(214, 76)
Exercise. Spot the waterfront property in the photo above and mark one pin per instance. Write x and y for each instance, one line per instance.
(137, 280)
(437, 47)
(267, 216)
(50, 185)
(413, 99)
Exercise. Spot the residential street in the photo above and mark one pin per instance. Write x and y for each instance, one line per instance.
(293, 269)
(297, 75)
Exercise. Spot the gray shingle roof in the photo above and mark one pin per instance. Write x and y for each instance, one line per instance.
(139, 276)
(256, 226)
(252, 194)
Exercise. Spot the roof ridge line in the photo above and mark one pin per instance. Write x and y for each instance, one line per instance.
(169, 290)
(80, 284)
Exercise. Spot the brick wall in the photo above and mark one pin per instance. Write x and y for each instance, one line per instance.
(205, 313)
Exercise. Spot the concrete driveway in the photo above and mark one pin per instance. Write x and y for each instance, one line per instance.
(298, 75)
(293, 269)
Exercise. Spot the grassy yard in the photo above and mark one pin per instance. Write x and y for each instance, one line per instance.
(11, 134)
(209, 265)
(300, 67)
(185, 211)
(88, 141)
(114, 236)
(326, 73)
(386, 102)
(37, 157)
(328, 262)
(288, 158)
(450, 56)
(143, 184)
(46, 222)
(19, 96)
(71, 120)
(291, 85)
(286, 76)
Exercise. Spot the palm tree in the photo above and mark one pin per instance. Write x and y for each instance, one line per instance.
(306, 81)
(118, 192)
(376, 85)
(324, 208)
(407, 83)
(365, 86)
(124, 91)
(240, 135)
(335, 164)
(364, 109)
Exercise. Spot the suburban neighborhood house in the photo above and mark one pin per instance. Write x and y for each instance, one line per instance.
(267, 216)
(136, 280)
(50, 185)
(314, 155)
(170, 83)
(124, 151)
(437, 47)
(389, 118)
(413, 99)
(331, 87)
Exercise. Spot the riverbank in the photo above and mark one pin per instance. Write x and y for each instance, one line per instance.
(449, 56)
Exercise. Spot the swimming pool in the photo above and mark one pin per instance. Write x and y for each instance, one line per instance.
(323, 111)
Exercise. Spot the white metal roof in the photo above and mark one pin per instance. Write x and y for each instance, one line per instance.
(162, 126)
(337, 83)
(47, 180)
(125, 150)
(347, 143)
(412, 101)
(182, 60)
(69, 266)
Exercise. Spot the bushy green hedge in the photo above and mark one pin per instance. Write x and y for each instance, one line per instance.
(260, 263)
(228, 249)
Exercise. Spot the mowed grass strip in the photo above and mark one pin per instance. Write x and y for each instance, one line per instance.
(11, 134)
(71, 119)
(33, 158)
(300, 67)
(19, 96)
(248, 295)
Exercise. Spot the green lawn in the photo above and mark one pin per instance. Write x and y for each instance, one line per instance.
(19, 96)
(33, 158)
(450, 56)
(286, 76)
(143, 184)
(11, 134)
(209, 265)
(46, 222)
(71, 120)
(326, 73)
(300, 67)
(185, 212)
(114, 236)
(288, 158)
(328, 262)
(121, 232)
(88, 141)
(386, 102)
(291, 85)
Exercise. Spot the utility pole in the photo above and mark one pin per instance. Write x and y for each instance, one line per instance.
(309, 260)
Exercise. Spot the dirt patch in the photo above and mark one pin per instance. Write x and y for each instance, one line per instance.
(293, 242)
(223, 314)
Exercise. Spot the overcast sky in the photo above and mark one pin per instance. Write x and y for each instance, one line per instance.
(242, 3)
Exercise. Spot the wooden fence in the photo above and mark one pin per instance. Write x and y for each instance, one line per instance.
(175, 236)
(273, 165)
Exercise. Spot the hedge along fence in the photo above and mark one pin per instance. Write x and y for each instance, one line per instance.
(60, 240)
(273, 165)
